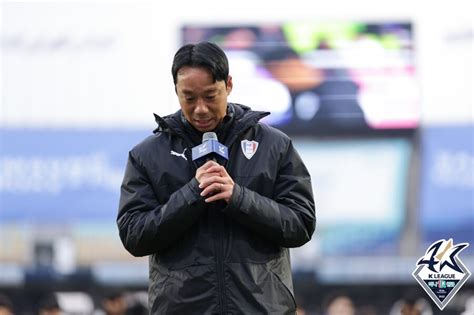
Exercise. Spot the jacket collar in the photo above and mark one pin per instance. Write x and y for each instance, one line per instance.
(238, 119)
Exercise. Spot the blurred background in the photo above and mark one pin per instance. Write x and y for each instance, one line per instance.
(377, 97)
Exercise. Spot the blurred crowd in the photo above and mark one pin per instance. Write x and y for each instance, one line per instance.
(111, 303)
(337, 302)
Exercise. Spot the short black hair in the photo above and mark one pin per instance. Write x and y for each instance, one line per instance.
(49, 302)
(113, 295)
(277, 54)
(203, 54)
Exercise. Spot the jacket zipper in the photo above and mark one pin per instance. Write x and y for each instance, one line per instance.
(219, 247)
(219, 250)
(218, 242)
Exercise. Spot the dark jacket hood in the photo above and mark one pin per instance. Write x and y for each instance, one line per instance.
(243, 118)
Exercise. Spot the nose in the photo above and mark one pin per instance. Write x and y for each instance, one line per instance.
(201, 107)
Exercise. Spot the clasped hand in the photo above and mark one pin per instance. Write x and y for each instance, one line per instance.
(215, 182)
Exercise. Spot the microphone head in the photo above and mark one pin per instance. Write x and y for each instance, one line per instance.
(210, 148)
(209, 136)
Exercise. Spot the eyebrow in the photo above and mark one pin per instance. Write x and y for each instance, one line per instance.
(207, 91)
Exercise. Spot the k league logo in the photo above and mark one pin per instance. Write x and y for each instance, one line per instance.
(441, 272)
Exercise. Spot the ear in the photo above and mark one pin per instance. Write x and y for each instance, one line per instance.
(229, 84)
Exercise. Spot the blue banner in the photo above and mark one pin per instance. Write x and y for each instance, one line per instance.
(62, 176)
(447, 184)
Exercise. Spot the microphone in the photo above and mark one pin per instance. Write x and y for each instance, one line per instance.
(210, 149)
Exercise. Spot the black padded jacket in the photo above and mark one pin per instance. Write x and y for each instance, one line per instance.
(217, 258)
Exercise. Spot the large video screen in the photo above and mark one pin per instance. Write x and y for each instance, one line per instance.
(322, 78)
(360, 189)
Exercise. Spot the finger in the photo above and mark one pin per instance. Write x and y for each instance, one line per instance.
(209, 164)
(223, 195)
(219, 183)
(218, 169)
(209, 180)
(202, 170)
(215, 197)
(203, 176)
(221, 172)
(213, 188)
(215, 168)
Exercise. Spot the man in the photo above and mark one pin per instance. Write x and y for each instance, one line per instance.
(114, 303)
(6, 305)
(338, 303)
(49, 305)
(217, 235)
(315, 93)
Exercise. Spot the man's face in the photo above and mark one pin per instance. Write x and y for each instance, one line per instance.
(203, 102)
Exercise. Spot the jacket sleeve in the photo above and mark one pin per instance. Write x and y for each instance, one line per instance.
(289, 217)
(145, 226)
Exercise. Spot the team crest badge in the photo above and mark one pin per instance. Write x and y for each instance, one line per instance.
(441, 272)
(249, 148)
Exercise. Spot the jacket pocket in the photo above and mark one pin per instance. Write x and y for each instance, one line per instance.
(256, 289)
(285, 289)
(186, 291)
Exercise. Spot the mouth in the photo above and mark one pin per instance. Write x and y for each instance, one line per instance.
(202, 123)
